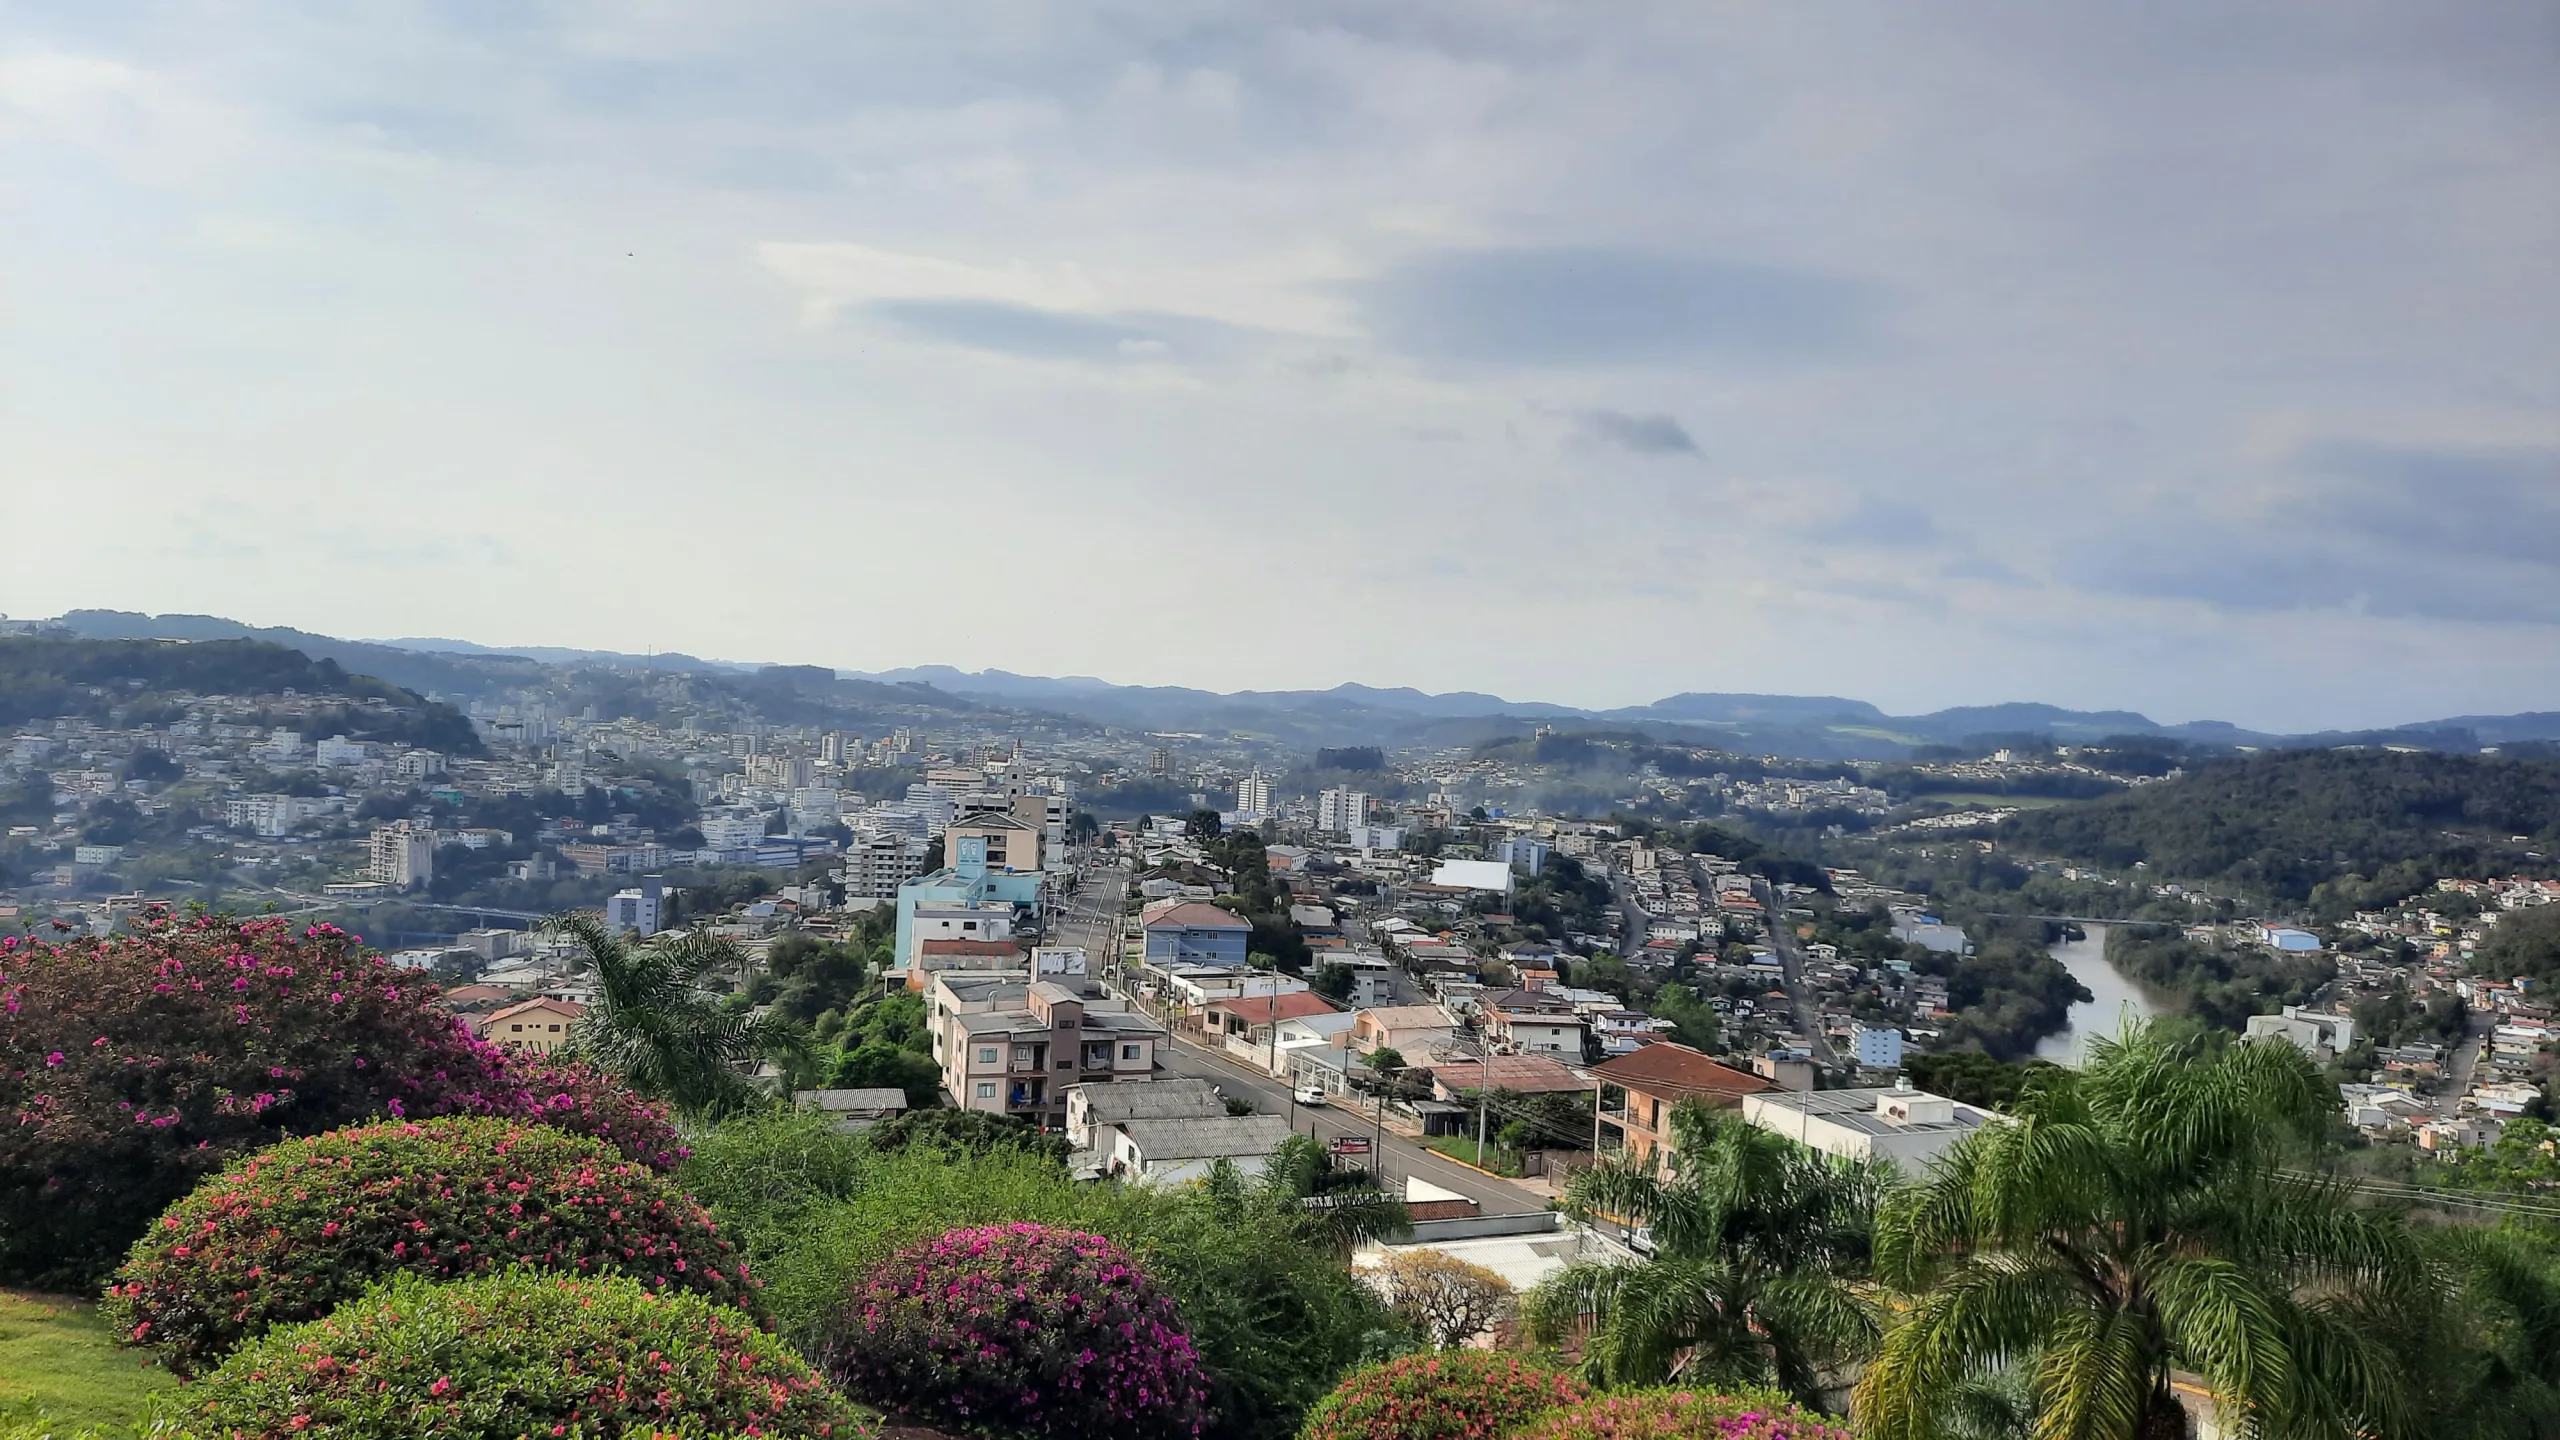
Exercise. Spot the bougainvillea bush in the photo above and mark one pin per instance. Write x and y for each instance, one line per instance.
(523, 1353)
(1022, 1330)
(1442, 1395)
(133, 1066)
(1684, 1415)
(288, 1233)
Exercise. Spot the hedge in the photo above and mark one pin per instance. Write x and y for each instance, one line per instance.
(290, 1232)
(525, 1353)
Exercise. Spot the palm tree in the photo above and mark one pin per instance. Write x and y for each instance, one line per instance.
(2139, 1218)
(1760, 1247)
(656, 1026)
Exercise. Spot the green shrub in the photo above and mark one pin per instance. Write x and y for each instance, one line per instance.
(1684, 1415)
(133, 1066)
(294, 1230)
(1442, 1395)
(1022, 1329)
(1275, 1316)
(518, 1354)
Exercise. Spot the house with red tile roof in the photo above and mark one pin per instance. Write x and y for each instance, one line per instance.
(1656, 1078)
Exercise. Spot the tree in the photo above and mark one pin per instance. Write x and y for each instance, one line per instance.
(1332, 980)
(655, 1025)
(2142, 1217)
(1761, 1246)
(967, 1132)
(1446, 1298)
(878, 1065)
(2523, 942)
(1203, 825)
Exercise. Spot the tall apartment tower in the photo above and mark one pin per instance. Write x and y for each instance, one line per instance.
(1253, 797)
(403, 856)
(1339, 810)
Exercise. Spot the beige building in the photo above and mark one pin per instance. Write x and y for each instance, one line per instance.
(403, 856)
(540, 1026)
(1021, 1054)
(1011, 845)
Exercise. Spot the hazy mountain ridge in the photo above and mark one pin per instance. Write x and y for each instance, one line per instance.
(1812, 726)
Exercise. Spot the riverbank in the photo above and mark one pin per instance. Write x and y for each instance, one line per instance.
(2116, 1000)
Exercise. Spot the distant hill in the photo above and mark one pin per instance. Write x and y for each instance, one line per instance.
(2340, 829)
(415, 670)
(1814, 727)
(46, 676)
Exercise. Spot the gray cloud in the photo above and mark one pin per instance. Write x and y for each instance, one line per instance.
(1591, 306)
(1642, 434)
(1031, 333)
(2391, 530)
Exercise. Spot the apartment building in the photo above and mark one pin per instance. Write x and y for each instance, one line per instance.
(1649, 1082)
(1020, 1058)
(403, 856)
(875, 868)
(1012, 846)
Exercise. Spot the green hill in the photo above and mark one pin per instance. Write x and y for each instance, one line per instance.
(2336, 829)
(46, 676)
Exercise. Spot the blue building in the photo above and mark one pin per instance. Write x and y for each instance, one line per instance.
(1530, 855)
(1192, 932)
(1877, 1048)
(967, 883)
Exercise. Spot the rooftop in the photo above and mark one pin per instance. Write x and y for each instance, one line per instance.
(1192, 915)
(1206, 1137)
(1856, 1110)
(1666, 1068)
(1170, 1098)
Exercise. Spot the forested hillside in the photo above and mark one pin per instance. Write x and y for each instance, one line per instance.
(2333, 828)
(42, 677)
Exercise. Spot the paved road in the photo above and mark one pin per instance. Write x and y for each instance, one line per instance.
(1087, 917)
(1799, 994)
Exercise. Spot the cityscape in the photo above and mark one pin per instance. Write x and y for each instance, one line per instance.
(1280, 722)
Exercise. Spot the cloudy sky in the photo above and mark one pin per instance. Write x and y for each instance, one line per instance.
(2202, 358)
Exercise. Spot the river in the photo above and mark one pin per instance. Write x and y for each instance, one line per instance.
(2118, 999)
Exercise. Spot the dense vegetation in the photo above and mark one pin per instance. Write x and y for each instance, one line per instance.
(1453, 1395)
(2523, 942)
(523, 1352)
(45, 676)
(289, 1233)
(2339, 829)
(1023, 1328)
(133, 1067)
(2220, 985)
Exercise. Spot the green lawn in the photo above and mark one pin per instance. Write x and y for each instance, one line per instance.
(58, 1360)
(1495, 1158)
(1962, 799)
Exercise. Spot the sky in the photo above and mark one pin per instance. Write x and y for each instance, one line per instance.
(2195, 358)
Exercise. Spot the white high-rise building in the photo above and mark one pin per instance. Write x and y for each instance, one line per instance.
(1253, 797)
(403, 855)
(635, 912)
(1339, 810)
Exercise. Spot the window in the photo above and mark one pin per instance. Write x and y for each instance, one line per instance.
(986, 1054)
(986, 1089)
(515, 1027)
(555, 1029)
(1129, 1052)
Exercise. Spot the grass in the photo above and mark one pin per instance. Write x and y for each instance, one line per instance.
(1463, 1148)
(1963, 798)
(59, 1359)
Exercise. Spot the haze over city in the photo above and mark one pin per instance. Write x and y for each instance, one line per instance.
(2189, 359)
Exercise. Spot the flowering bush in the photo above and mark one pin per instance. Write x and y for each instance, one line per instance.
(1684, 1415)
(290, 1232)
(133, 1066)
(1020, 1329)
(1441, 1395)
(525, 1353)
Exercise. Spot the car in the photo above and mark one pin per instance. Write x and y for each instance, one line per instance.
(1310, 1094)
(1640, 1240)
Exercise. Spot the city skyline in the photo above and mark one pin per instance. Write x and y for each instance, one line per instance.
(2191, 360)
